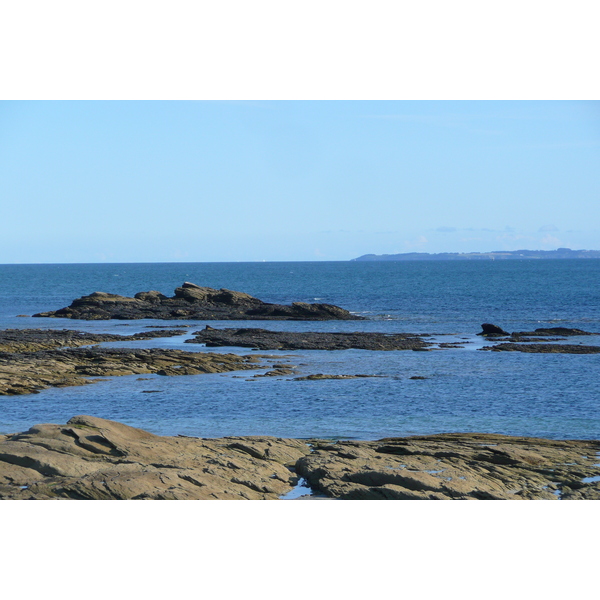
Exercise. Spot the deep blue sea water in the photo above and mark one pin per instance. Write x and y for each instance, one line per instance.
(546, 395)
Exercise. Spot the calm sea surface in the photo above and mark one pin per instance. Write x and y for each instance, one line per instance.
(546, 395)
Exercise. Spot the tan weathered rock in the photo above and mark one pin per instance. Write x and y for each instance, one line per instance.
(454, 466)
(92, 458)
(28, 373)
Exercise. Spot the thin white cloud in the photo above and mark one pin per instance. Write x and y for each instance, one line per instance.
(551, 241)
(418, 243)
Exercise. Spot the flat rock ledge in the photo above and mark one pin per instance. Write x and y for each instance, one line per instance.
(544, 348)
(194, 302)
(98, 459)
(34, 340)
(263, 339)
(28, 373)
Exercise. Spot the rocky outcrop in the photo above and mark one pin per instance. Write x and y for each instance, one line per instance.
(454, 467)
(307, 340)
(26, 373)
(96, 459)
(490, 330)
(194, 302)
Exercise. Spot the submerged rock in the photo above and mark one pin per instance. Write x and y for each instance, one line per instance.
(194, 302)
(264, 339)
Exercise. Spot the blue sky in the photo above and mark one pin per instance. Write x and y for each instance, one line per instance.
(145, 181)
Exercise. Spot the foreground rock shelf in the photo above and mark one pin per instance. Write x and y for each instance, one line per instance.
(93, 458)
(194, 302)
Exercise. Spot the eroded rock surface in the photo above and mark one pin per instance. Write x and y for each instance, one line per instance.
(194, 302)
(97, 459)
(307, 340)
(33, 340)
(26, 373)
(454, 467)
(93, 458)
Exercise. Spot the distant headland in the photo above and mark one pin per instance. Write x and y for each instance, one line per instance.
(560, 253)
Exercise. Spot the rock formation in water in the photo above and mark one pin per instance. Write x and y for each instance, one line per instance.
(194, 302)
(551, 331)
(30, 372)
(490, 330)
(33, 340)
(544, 348)
(97, 459)
(307, 340)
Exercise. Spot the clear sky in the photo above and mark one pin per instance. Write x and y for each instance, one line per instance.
(146, 181)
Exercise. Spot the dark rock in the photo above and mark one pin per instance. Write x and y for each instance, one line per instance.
(525, 340)
(551, 331)
(194, 302)
(263, 339)
(490, 330)
(321, 376)
(544, 348)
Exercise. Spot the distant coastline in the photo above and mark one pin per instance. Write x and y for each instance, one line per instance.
(560, 253)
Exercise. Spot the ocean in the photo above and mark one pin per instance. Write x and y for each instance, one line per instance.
(463, 390)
